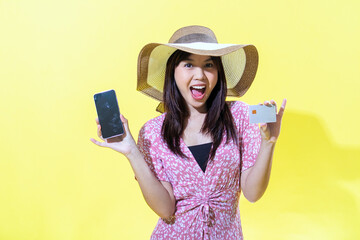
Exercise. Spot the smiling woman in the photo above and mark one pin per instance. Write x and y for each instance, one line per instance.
(193, 161)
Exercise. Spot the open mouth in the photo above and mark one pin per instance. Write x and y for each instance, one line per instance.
(198, 92)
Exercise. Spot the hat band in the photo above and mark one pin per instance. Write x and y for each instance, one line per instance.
(196, 37)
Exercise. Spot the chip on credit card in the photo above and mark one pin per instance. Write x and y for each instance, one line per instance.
(262, 113)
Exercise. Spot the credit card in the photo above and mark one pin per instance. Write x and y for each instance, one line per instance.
(262, 114)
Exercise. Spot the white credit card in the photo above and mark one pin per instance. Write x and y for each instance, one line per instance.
(262, 114)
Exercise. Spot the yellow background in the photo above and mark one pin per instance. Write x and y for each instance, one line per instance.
(54, 55)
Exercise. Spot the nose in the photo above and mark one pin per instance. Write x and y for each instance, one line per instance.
(199, 73)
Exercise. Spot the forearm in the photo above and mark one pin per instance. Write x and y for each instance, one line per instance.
(154, 192)
(258, 177)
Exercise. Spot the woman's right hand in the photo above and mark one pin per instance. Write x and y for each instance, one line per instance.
(124, 144)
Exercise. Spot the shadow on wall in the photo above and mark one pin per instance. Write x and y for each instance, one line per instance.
(314, 191)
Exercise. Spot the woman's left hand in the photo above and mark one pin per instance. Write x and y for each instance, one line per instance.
(271, 131)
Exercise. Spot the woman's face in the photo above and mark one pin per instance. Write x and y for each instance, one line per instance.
(195, 78)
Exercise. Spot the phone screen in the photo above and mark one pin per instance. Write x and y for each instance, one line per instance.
(108, 113)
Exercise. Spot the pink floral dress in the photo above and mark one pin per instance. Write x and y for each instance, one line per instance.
(207, 204)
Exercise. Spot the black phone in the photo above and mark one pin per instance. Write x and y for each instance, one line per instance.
(109, 114)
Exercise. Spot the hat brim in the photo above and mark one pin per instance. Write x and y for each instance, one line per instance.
(240, 64)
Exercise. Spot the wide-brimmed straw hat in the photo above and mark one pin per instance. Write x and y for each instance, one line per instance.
(240, 62)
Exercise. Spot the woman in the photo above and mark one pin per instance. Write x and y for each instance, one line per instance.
(193, 161)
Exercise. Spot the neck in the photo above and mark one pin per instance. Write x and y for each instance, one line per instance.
(196, 120)
(196, 112)
(193, 134)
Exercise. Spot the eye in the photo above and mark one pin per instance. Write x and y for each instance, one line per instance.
(188, 65)
(209, 65)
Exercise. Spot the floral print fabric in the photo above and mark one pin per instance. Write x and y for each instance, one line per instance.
(206, 202)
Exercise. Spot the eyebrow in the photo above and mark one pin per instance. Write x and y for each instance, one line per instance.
(189, 59)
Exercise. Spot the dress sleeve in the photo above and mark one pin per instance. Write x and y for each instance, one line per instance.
(250, 140)
(147, 142)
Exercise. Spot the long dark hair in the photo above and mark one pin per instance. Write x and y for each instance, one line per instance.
(218, 117)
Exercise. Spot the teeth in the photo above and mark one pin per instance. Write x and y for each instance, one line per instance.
(198, 87)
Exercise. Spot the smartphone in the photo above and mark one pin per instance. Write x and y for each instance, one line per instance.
(109, 114)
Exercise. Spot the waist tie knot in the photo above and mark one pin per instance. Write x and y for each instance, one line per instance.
(207, 214)
(207, 205)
